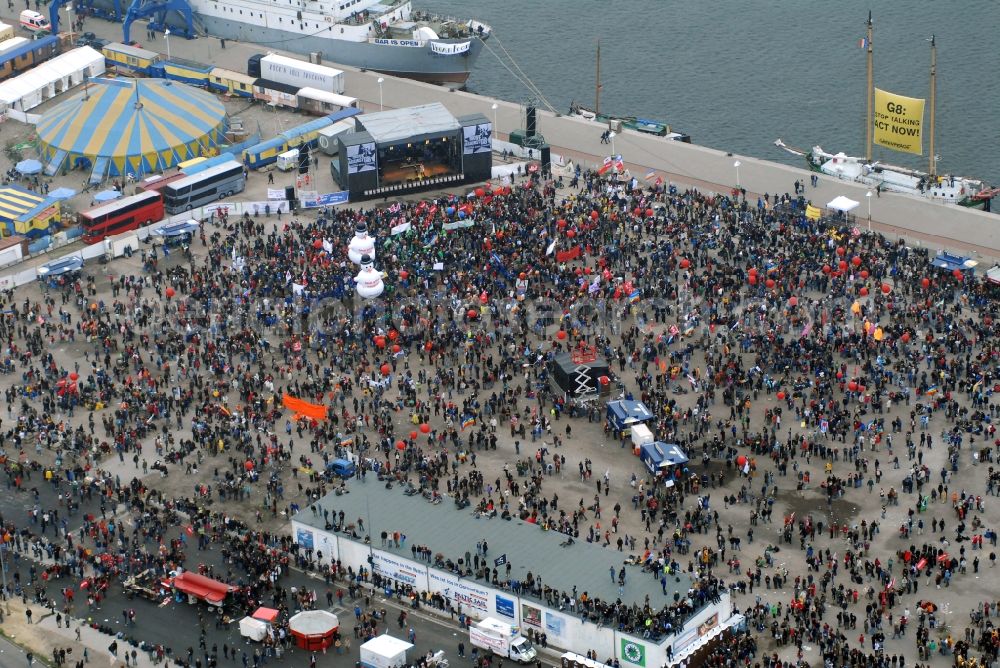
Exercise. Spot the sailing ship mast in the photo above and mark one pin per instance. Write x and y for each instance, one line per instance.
(870, 91)
(932, 169)
(597, 85)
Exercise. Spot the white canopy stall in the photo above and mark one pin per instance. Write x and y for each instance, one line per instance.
(49, 79)
(842, 204)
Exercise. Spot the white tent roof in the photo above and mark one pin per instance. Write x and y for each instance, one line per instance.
(842, 203)
(387, 645)
(387, 127)
(71, 62)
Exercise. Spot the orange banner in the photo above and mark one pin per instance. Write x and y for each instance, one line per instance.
(304, 408)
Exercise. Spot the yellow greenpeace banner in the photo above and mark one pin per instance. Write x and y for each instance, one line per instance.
(812, 213)
(898, 122)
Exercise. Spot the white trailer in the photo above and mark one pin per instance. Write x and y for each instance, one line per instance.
(299, 73)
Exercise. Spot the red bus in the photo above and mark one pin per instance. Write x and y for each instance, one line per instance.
(122, 215)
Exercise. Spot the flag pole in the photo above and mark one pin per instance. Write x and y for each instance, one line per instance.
(869, 91)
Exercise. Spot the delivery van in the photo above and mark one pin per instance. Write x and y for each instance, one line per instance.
(35, 22)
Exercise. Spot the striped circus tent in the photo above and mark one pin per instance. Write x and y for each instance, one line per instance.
(136, 126)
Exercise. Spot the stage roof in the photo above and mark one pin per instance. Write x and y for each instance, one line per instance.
(395, 125)
(454, 533)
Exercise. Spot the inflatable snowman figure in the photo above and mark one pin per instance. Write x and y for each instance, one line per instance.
(361, 244)
(369, 281)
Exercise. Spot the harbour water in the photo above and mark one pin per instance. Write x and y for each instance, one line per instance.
(737, 75)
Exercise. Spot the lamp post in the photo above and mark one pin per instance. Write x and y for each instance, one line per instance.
(868, 196)
(69, 8)
(737, 166)
(381, 80)
(611, 135)
(166, 34)
(494, 108)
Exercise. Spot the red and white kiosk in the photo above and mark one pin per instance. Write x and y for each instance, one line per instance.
(314, 629)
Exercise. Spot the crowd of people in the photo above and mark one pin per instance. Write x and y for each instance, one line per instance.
(784, 354)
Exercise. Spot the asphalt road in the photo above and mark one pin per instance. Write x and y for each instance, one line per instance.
(176, 625)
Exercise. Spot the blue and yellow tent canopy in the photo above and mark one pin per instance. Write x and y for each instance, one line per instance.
(138, 126)
(25, 212)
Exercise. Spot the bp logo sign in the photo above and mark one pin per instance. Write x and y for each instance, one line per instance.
(633, 652)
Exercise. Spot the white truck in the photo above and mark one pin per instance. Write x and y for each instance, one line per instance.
(502, 639)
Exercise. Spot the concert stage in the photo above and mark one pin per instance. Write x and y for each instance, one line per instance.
(408, 150)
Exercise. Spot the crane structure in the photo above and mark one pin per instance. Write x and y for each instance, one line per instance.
(156, 11)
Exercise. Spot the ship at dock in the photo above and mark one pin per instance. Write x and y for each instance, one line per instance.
(896, 122)
(387, 37)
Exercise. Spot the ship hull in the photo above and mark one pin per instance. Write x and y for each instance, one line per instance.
(419, 63)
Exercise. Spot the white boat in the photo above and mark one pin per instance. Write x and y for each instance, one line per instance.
(380, 35)
(875, 175)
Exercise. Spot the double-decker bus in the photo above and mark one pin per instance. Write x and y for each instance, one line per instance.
(122, 215)
(206, 186)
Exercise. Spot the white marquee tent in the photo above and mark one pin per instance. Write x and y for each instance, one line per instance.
(843, 204)
(49, 79)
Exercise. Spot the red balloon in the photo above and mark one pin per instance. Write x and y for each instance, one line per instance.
(781, 396)
(522, 276)
(957, 274)
(685, 263)
(396, 348)
(905, 337)
(856, 261)
(636, 211)
(413, 435)
(827, 269)
(649, 213)
(472, 314)
(75, 376)
(484, 298)
(793, 301)
(841, 251)
(425, 428)
(852, 386)
(769, 283)
(400, 445)
(604, 380)
(925, 283)
(594, 215)
(480, 192)
(843, 265)
(840, 375)
(753, 271)
(393, 335)
(753, 279)
(170, 292)
(863, 292)
(864, 273)
(570, 233)
(886, 288)
(380, 341)
(561, 223)
(403, 275)
(561, 335)
(385, 369)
